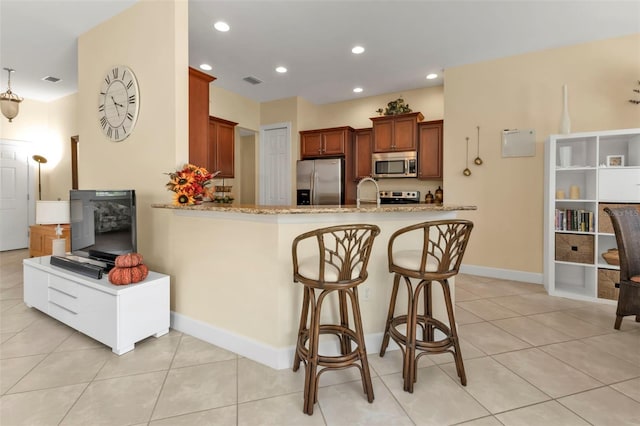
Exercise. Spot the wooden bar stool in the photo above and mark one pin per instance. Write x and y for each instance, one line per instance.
(326, 261)
(626, 226)
(441, 247)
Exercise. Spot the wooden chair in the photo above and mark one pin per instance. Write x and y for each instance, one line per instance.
(440, 248)
(626, 225)
(337, 263)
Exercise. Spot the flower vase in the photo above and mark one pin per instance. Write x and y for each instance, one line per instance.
(565, 122)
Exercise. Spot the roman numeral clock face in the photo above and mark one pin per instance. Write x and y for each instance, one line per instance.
(118, 103)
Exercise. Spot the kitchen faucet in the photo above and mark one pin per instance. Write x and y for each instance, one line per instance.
(367, 179)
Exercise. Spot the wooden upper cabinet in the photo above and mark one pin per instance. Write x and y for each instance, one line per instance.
(430, 150)
(363, 146)
(396, 132)
(221, 147)
(325, 142)
(199, 117)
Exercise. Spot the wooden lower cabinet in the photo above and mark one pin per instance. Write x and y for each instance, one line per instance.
(430, 149)
(362, 153)
(41, 237)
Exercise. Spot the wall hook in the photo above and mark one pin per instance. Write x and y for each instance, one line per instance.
(478, 160)
(466, 171)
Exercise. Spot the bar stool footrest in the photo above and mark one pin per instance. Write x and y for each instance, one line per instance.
(333, 361)
(435, 346)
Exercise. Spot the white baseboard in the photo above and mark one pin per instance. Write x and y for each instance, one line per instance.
(282, 358)
(505, 274)
(277, 358)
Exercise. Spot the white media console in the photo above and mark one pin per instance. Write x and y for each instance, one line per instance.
(118, 316)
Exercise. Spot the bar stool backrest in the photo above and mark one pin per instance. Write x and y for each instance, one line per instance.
(626, 225)
(438, 254)
(340, 256)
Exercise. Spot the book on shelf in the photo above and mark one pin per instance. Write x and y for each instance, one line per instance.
(574, 220)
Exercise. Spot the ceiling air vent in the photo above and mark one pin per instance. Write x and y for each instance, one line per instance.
(51, 79)
(252, 80)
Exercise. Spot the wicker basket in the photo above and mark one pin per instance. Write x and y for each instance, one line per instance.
(574, 248)
(607, 279)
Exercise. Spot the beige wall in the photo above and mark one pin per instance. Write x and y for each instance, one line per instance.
(357, 113)
(156, 50)
(233, 107)
(47, 127)
(522, 92)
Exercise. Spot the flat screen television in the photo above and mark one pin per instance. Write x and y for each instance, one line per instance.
(103, 223)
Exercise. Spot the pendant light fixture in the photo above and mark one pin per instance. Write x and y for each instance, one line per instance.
(9, 101)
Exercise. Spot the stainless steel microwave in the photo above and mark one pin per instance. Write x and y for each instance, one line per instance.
(395, 164)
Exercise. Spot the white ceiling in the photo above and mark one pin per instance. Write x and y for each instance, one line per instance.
(404, 40)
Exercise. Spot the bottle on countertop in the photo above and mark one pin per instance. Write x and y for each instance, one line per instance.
(439, 196)
(428, 199)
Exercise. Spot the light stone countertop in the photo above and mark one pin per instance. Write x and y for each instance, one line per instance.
(274, 210)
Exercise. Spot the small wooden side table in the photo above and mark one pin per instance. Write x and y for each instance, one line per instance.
(41, 237)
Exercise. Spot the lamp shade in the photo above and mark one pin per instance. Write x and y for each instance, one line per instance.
(9, 105)
(52, 212)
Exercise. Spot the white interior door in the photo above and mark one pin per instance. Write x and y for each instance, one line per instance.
(275, 164)
(14, 197)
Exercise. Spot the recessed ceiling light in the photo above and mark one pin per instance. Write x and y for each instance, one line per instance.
(432, 76)
(221, 26)
(357, 89)
(357, 50)
(281, 69)
(205, 67)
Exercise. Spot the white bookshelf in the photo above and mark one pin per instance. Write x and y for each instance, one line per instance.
(598, 184)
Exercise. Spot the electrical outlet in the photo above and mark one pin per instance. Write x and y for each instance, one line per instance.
(366, 293)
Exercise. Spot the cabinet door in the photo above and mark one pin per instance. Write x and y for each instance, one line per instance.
(310, 145)
(225, 150)
(333, 142)
(362, 155)
(430, 150)
(383, 135)
(36, 241)
(221, 147)
(619, 184)
(36, 284)
(199, 118)
(404, 134)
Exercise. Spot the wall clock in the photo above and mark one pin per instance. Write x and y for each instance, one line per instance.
(118, 103)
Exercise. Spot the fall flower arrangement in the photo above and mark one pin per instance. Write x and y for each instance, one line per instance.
(189, 184)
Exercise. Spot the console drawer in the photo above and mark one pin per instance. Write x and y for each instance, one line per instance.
(64, 300)
(63, 285)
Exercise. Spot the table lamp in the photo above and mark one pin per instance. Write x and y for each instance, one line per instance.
(54, 213)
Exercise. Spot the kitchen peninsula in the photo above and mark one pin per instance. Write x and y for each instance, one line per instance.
(232, 271)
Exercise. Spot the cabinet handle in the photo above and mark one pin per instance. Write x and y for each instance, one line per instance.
(63, 292)
(62, 307)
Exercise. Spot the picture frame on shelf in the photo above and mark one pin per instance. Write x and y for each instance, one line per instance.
(615, 160)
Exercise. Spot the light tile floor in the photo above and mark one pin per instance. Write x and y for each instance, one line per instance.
(530, 359)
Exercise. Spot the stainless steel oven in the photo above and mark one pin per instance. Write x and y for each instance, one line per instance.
(395, 164)
(399, 197)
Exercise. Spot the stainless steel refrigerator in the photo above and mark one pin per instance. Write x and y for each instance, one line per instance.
(320, 182)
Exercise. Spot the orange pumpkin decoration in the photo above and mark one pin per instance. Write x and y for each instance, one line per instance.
(123, 276)
(128, 260)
